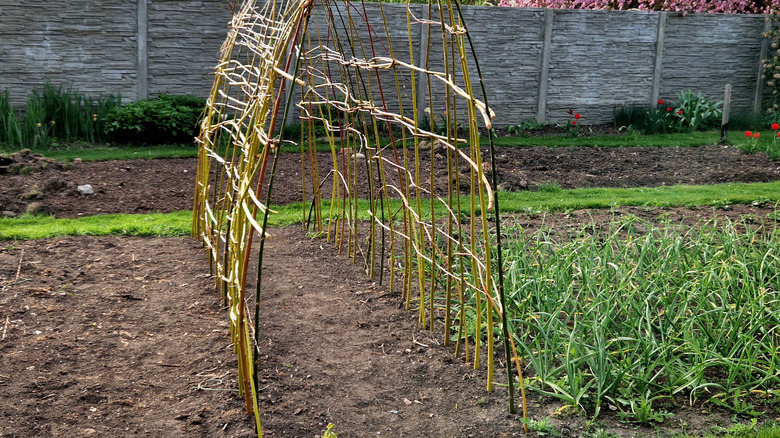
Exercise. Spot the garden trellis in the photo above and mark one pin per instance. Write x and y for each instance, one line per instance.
(389, 120)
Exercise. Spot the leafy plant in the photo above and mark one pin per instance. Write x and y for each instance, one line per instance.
(734, 7)
(750, 429)
(743, 120)
(36, 124)
(572, 125)
(65, 114)
(771, 63)
(528, 125)
(164, 119)
(641, 411)
(754, 144)
(329, 432)
(54, 114)
(697, 112)
(541, 427)
(751, 145)
(646, 119)
(736, 402)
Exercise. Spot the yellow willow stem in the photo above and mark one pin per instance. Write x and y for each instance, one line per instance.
(340, 71)
(496, 210)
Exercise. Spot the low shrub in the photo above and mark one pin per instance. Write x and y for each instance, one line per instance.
(743, 119)
(294, 131)
(160, 120)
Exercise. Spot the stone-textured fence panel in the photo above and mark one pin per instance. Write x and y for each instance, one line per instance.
(536, 63)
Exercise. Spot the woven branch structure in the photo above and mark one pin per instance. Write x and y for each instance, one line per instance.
(405, 189)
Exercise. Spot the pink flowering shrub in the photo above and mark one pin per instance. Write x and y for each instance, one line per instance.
(771, 63)
(716, 6)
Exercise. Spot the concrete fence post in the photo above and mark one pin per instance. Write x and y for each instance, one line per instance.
(759, 93)
(142, 40)
(422, 80)
(544, 74)
(660, 36)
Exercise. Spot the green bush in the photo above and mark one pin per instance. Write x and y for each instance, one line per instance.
(743, 120)
(293, 131)
(160, 120)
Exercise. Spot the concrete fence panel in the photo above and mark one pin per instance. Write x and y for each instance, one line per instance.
(536, 63)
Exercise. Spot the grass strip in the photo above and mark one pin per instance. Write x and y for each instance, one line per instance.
(89, 152)
(716, 195)
(178, 223)
(104, 153)
(691, 139)
(148, 224)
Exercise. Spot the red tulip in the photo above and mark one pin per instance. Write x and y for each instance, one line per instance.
(679, 112)
(668, 109)
(660, 101)
(756, 135)
(748, 133)
(577, 116)
(775, 126)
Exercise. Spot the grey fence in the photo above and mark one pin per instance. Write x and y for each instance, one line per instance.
(536, 63)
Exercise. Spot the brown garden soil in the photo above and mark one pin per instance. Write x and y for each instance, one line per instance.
(126, 336)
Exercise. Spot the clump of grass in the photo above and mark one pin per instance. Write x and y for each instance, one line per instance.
(633, 314)
(66, 114)
(551, 186)
(53, 115)
(10, 132)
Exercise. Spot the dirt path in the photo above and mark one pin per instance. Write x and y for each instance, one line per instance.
(120, 336)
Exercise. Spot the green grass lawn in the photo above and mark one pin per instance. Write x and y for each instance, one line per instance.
(693, 139)
(178, 224)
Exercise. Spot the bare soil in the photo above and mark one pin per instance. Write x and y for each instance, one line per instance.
(125, 336)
